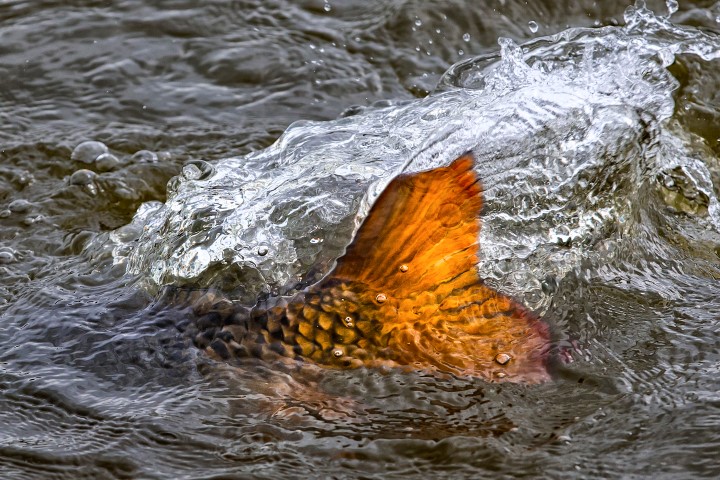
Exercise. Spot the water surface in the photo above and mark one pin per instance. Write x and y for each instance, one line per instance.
(597, 139)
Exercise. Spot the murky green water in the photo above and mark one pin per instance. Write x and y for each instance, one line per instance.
(598, 149)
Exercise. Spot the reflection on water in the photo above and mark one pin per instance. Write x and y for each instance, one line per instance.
(598, 150)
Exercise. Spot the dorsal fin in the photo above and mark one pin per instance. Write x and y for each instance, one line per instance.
(422, 232)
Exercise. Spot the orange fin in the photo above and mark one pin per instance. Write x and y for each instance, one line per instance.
(409, 282)
(421, 232)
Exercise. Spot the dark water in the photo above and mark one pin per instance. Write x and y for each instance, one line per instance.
(604, 220)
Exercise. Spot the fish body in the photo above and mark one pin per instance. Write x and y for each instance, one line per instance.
(405, 294)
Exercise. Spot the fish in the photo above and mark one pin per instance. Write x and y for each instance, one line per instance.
(406, 294)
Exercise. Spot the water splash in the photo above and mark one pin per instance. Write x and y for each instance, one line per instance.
(568, 130)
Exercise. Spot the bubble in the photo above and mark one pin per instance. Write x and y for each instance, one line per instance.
(404, 268)
(381, 298)
(533, 26)
(7, 257)
(82, 177)
(19, 206)
(418, 22)
(348, 321)
(262, 250)
(327, 7)
(337, 352)
(315, 240)
(88, 152)
(502, 358)
(466, 37)
(666, 56)
(107, 162)
(33, 219)
(145, 156)
(197, 170)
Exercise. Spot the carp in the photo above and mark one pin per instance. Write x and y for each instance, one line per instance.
(406, 294)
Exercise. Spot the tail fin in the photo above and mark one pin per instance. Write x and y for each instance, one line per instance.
(421, 233)
(412, 271)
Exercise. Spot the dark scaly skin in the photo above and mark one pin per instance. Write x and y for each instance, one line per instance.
(342, 325)
(319, 324)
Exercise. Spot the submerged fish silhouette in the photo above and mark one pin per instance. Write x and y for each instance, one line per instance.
(406, 293)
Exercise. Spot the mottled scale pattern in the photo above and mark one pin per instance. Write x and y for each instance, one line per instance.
(320, 325)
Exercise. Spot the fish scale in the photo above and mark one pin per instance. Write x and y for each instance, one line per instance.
(312, 324)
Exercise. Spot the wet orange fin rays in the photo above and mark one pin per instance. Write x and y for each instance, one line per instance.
(422, 231)
(413, 267)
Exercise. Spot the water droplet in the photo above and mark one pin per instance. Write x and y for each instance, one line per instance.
(87, 152)
(173, 185)
(315, 240)
(327, 7)
(672, 6)
(533, 26)
(466, 37)
(145, 156)
(502, 358)
(461, 52)
(82, 177)
(348, 321)
(106, 162)
(418, 22)
(500, 374)
(337, 352)
(381, 298)
(19, 206)
(404, 268)
(262, 250)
